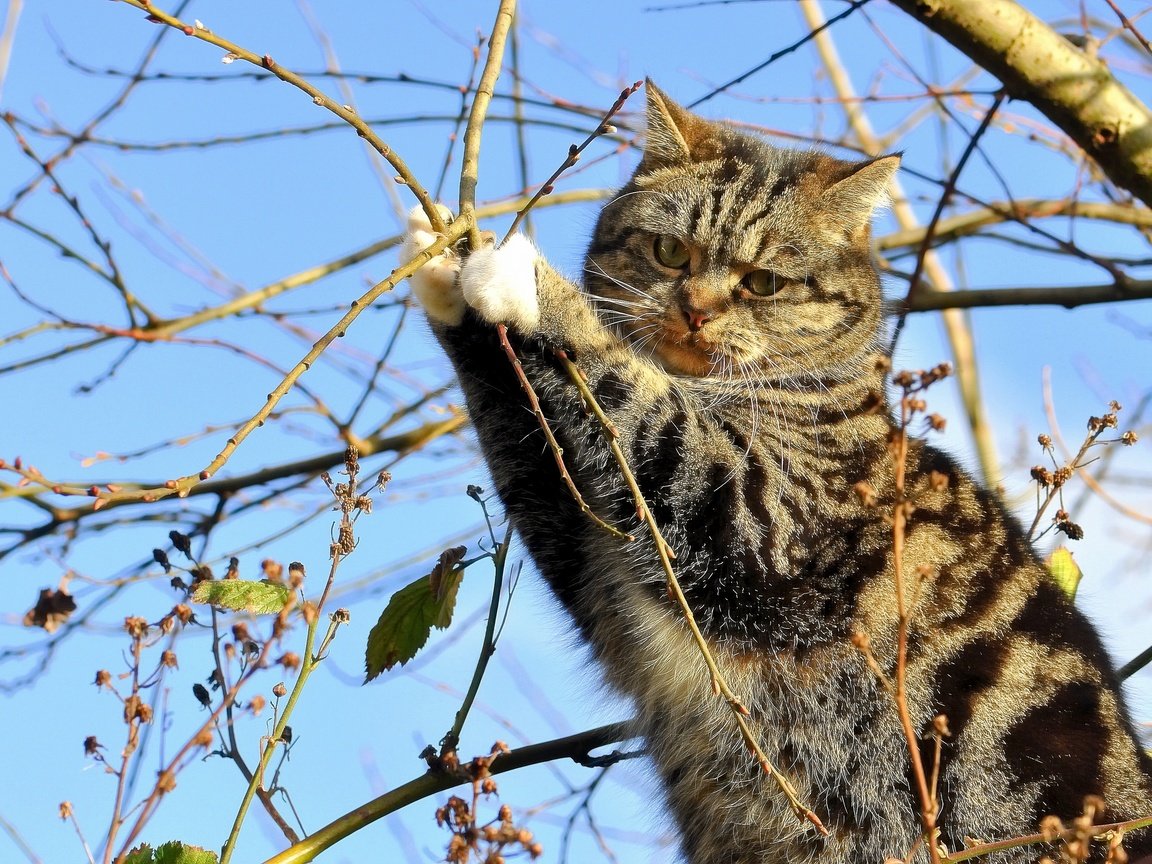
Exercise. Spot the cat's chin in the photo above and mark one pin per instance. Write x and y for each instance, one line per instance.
(685, 359)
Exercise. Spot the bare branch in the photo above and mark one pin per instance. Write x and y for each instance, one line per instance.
(1075, 90)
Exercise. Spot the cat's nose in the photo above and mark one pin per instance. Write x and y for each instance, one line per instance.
(697, 318)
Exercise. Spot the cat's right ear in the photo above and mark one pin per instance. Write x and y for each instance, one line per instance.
(675, 135)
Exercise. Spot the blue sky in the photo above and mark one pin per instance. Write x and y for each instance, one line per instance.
(190, 226)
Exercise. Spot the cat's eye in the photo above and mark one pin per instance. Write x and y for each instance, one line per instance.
(671, 252)
(763, 283)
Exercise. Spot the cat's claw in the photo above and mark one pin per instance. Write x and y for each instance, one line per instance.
(500, 284)
(434, 285)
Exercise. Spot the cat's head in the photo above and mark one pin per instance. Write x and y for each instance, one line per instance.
(725, 255)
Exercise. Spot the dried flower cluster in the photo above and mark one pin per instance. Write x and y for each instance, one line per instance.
(1081, 839)
(489, 843)
(1051, 481)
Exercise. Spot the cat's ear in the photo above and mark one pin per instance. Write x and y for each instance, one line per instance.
(675, 135)
(851, 199)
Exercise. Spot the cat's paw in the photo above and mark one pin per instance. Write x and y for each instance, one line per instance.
(433, 285)
(500, 284)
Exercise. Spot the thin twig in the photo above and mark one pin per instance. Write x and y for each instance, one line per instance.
(664, 551)
(900, 512)
(942, 202)
(602, 128)
(955, 323)
(487, 649)
(319, 97)
(553, 444)
(783, 52)
(1128, 25)
(981, 849)
(470, 168)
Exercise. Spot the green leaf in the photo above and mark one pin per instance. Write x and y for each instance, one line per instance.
(1064, 571)
(256, 598)
(413, 611)
(173, 852)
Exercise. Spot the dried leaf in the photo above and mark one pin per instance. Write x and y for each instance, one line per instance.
(255, 598)
(51, 610)
(449, 558)
(413, 611)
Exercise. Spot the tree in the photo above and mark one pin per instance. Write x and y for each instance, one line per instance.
(188, 220)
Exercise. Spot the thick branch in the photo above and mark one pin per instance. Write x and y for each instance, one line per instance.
(1069, 296)
(1075, 90)
(573, 747)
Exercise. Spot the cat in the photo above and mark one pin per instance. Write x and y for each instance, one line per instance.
(730, 325)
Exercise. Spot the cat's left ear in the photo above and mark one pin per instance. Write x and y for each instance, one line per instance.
(851, 200)
(675, 135)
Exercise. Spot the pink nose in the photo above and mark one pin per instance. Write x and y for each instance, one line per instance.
(696, 318)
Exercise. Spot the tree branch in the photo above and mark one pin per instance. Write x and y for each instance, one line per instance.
(574, 747)
(1069, 296)
(1073, 89)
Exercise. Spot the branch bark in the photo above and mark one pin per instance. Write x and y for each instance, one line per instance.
(1069, 296)
(1072, 88)
(574, 747)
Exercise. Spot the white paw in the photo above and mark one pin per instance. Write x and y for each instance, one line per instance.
(434, 284)
(500, 284)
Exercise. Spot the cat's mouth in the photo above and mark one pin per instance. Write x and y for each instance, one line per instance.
(689, 354)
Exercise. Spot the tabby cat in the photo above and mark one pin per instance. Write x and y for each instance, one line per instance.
(730, 326)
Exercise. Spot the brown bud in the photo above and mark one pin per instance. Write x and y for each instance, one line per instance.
(136, 627)
(183, 612)
(103, 678)
(1045, 440)
(279, 690)
(168, 658)
(290, 660)
(92, 746)
(202, 695)
(166, 782)
(1093, 806)
(256, 705)
(65, 809)
(904, 378)
(1051, 828)
(295, 574)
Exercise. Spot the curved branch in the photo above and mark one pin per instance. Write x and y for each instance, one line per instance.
(574, 747)
(1072, 88)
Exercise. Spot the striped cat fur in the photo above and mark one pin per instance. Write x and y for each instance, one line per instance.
(729, 323)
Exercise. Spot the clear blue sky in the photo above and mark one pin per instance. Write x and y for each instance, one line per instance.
(238, 216)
